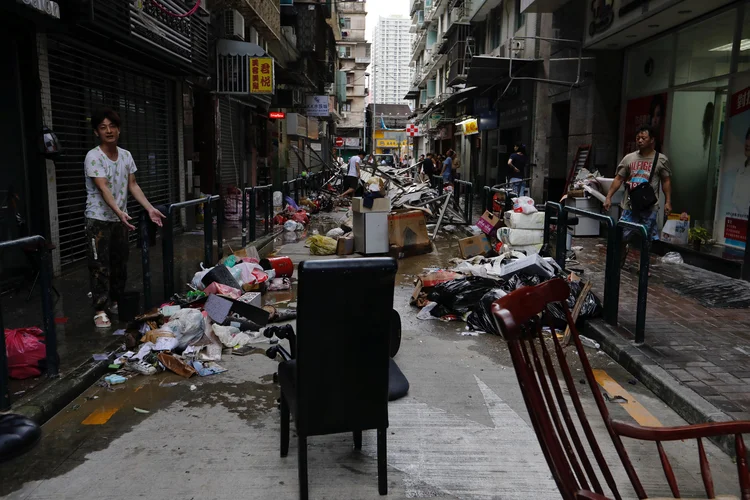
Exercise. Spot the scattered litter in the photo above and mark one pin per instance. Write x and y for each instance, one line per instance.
(115, 379)
(589, 342)
(633, 381)
(470, 334)
(204, 369)
(18, 393)
(193, 387)
(672, 258)
(168, 384)
(424, 314)
(100, 357)
(168, 311)
(614, 399)
(577, 249)
(121, 331)
(140, 410)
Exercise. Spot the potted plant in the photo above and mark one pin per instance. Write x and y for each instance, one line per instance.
(699, 236)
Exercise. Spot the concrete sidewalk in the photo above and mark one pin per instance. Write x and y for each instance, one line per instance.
(78, 339)
(697, 342)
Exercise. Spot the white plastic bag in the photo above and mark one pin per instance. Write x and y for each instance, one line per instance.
(335, 233)
(187, 325)
(231, 336)
(290, 226)
(278, 198)
(520, 237)
(524, 205)
(672, 258)
(425, 312)
(198, 277)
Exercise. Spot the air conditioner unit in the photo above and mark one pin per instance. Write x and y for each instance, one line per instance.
(234, 24)
(344, 114)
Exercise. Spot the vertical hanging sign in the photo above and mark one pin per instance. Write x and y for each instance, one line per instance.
(261, 75)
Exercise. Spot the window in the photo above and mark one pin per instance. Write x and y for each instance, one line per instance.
(495, 24)
(346, 22)
(345, 52)
(520, 18)
(350, 78)
(346, 106)
(705, 50)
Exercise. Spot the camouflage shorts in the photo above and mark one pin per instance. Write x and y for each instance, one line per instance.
(108, 252)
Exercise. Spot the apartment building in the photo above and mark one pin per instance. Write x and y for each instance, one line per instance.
(354, 58)
(391, 73)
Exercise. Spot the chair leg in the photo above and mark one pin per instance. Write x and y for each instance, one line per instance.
(382, 463)
(33, 285)
(357, 440)
(284, 426)
(302, 458)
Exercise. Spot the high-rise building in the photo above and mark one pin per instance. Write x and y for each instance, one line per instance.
(391, 74)
(354, 58)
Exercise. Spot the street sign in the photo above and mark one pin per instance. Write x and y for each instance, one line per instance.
(277, 115)
(412, 130)
(339, 142)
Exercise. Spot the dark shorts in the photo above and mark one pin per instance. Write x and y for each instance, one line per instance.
(351, 182)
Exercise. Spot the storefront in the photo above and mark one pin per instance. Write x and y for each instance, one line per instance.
(691, 84)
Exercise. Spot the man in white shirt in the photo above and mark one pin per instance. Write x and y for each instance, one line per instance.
(110, 175)
(351, 181)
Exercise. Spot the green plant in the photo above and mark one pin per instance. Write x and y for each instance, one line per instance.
(700, 234)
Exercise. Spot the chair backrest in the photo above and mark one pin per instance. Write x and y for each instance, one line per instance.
(344, 311)
(518, 318)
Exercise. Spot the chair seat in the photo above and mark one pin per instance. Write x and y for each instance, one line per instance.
(398, 385)
(17, 435)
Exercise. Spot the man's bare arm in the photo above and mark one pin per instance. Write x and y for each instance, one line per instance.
(612, 190)
(103, 185)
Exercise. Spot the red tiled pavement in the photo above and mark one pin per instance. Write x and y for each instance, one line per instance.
(707, 349)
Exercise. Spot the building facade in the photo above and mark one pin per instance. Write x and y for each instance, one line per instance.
(354, 58)
(391, 52)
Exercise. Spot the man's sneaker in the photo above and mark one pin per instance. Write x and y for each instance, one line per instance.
(142, 368)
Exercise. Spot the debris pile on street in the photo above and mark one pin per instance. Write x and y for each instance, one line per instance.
(503, 256)
(221, 314)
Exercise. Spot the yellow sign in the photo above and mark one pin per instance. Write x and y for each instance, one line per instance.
(471, 127)
(261, 75)
(387, 143)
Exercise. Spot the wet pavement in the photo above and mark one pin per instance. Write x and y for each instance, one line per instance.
(461, 432)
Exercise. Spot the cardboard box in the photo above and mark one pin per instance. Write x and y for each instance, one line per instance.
(345, 245)
(473, 246)
(403, 252)
(432, 279)
(378, 205)
(407, 228)
(489, 222)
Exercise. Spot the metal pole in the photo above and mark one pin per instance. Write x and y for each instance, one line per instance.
(640, 321)
(4, 394)
(50, 335)
(167, 247)
(145, 259)
(269, 210)
(610, 301)
(208, 233)
(219, 220)
(243, 227)
(562, 238)
(251, 228)
(616, 250)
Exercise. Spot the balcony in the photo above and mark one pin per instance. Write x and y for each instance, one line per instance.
(415, 5)
(354, 7)
(362, 60)
(263, 14)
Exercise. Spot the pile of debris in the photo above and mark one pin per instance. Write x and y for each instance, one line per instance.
(221, 314)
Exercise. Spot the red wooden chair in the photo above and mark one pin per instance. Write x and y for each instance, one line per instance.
(519, 320)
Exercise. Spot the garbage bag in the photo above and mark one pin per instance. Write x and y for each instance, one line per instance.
(290, 226)
(198, 278)
(187, 325)
(25, 352)
(672, 258)
(520, 280)
(460, 295)
(335, 233)
(322, 245)
(591, 307)
(480, 319)
(524, 205)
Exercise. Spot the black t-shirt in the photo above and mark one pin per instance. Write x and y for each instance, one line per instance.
(519, 161)
(428, 167)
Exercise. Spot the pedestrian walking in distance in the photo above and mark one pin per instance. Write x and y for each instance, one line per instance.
(110, 176)
(642, 171)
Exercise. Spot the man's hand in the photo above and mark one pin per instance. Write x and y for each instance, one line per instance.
(124, 218)
(155, 216)
(667, 208)
(607, 204)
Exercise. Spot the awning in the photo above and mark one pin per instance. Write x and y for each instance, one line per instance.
(226, 47)
(460, 95)
(412, 94)
(488, 70)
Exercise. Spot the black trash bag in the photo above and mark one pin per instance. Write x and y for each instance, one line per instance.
(591, 307)
(520, 280)
(439, 311)
(460, 295)
(481, 319)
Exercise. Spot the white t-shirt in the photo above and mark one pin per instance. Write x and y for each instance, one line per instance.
(353, 162)
(117, 173)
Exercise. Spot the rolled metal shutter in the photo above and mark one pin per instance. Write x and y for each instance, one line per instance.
(231, 144)
(82, 80)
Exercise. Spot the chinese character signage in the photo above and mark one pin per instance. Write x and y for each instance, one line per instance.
(387, 143)
(261, 75)
(317, 105)
(734, 177)
(471, 127)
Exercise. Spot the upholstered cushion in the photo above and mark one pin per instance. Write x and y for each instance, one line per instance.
(17, 435)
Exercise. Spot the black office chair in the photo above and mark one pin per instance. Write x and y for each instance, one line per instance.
(339, 379)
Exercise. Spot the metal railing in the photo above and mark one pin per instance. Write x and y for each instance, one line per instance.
(611, 300)
(168, 243)
(499, 188)
(50, 335)
(267, 206)
(290, 189)
(464, 199)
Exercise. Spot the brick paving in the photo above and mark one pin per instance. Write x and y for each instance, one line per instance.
(707, 349)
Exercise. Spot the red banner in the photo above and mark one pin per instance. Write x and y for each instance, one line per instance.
(735, 229)
(649, 110)
(740, 102)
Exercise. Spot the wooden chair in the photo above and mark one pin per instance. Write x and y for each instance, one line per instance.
(518, 318)
(338, 381)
